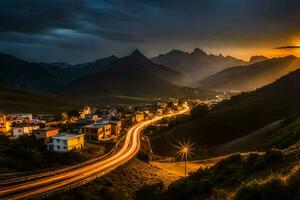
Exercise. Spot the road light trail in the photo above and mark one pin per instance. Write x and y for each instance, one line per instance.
(73, 177)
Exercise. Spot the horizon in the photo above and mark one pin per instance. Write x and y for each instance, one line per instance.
(163, 53)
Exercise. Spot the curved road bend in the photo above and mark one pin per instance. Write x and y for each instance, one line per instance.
(43, 186)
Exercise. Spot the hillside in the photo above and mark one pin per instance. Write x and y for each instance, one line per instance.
(272, 175)
(17, 100)
(279, 134)
(78, 71)
(121, 183)
(237, 117)
(251, 76)
(19, 73)
(133, 75)
(196, 64)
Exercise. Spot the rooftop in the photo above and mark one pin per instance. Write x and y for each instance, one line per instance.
(65, 136)
(47, 129)
(112, 121)
(96, 125)
(25, 125)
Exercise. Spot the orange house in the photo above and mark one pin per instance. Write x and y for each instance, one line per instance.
(45, 134)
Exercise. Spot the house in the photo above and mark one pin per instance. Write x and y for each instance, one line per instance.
(46, 117)
(45, 134)
(38, 121)
(148, 115)
(2, 124)
(19, 118)
(65, 142)
(85, 111)
(89, 119)
(116, 126)
(159, 111)
(137, 117)
(24, 130)
(161, 104)
(96, 132)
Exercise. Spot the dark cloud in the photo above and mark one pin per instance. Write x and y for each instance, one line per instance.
(38, 15)
(96, 28)
(288, 47)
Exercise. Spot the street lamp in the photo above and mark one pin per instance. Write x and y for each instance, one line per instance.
(185, 151)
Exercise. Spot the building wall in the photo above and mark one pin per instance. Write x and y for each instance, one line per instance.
(75, 143)
(96, 134)
(45, 134)
(65, 145)
(116, 127)
(2, 124)
(59, 145)
(18, 131)
(27, 130)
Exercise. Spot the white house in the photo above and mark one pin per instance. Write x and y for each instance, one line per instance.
(65, 142)
(24, 130)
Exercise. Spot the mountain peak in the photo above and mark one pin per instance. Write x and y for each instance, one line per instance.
(257, 58)
(198, 51)
(136, 53)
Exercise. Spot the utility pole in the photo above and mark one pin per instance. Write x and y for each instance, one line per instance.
(185, 164)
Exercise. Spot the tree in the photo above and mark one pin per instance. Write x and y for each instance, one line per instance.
(199, 111)
(73, 113)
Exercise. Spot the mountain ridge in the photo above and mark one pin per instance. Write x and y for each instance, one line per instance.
(197, 64)
(133, 75)
(251, 76)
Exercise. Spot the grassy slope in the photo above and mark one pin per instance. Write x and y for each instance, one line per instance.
(226, 178)
(17, 100)
(122, 183)
(280, 134)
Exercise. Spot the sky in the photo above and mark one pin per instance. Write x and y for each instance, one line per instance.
(84, 30)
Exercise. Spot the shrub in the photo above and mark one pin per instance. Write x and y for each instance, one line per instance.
(150, 192)
(186, 189)
(113, 194)
(273, 189)
(234, 159)
(199, 111)
(293, 183)
(248, 192)
(273, 155)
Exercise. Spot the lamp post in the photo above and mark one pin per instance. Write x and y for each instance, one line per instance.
(184, 152)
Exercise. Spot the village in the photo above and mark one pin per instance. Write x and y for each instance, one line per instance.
(71, 131)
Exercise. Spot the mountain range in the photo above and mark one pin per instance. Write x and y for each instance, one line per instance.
(252, 76)
(19, 73)
(133, 75)
(137, 76)
(197, 64)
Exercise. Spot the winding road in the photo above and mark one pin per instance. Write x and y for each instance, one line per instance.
(47, 183)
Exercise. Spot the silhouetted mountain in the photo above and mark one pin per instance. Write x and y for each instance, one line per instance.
(61, 65)
(239, 116)
(255, 59)
(82, 70)
(133, 75)
(251, 76)
(197, 64)
(19, 73)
